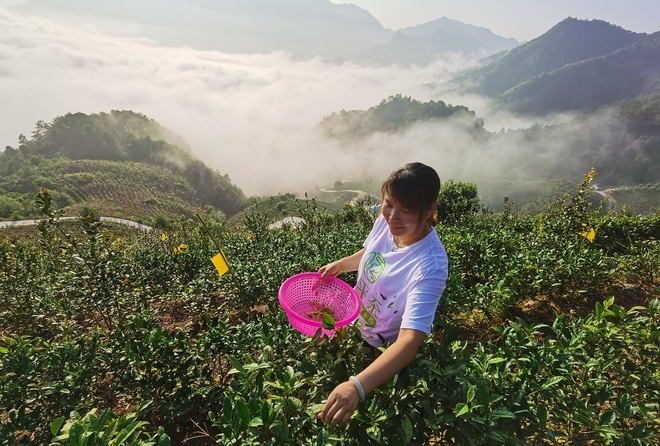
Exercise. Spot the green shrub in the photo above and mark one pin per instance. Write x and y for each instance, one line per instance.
(457, 201)
(92, 430)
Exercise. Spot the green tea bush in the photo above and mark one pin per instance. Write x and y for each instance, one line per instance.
(641, 264)
(617, 233)
(100, 325)
(457, 201)
(106, 428)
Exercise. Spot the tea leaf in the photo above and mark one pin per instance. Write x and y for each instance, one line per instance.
(462, 409)
(243, 413)
(328, 322)
(552, 381)
(56, 424)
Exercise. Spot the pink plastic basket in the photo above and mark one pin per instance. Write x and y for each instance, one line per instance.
(303, 294)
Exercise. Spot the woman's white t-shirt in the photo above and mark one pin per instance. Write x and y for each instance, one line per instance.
(399, 287)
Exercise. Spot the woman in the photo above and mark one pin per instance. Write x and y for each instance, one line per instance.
(402, 270)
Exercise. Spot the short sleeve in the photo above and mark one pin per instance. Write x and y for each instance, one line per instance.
(424, 295)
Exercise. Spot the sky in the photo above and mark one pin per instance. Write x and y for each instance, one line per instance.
(520, 19)
(252, 117)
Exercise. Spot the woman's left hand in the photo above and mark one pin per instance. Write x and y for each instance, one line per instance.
(343, 401)
(340, 405)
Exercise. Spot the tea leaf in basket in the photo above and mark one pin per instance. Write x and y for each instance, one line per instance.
(328, 322)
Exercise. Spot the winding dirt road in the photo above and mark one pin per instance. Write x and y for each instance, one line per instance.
(121, 221)
(607, 194)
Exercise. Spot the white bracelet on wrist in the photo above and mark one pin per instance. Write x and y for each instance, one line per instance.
(358, 386)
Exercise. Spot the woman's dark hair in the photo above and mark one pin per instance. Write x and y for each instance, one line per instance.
(414, 186)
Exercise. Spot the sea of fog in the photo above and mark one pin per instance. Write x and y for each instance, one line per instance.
(253, 117)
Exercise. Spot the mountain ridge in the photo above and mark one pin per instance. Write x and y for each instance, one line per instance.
(233, 26)
(630, 72)
(423, 43)
(302, 28)
(542, 55)
(569, 68)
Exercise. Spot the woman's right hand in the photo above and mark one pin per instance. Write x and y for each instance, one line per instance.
(344, 265)
(331, 269)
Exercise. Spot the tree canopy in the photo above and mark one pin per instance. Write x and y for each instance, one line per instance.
(121, 136)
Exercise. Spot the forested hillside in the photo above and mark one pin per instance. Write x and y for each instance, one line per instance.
(125, 189)
(125, 164)
(157, 160)
(585, 85)
(622, 140)
(576, 65)
(393, 114)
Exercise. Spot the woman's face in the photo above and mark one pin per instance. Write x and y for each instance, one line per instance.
(405, 224)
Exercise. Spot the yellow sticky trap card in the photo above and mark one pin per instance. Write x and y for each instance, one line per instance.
(220, 262)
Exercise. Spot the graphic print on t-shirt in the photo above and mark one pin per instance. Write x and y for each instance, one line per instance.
(363, 289)
(373, 266)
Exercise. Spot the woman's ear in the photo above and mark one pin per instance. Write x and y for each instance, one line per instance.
(430, 212)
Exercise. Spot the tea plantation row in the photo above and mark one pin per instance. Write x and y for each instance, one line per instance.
(111, 337)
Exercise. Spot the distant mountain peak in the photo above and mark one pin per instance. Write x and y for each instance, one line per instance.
(306, 28)
(443, 22)
(423, 43)
(302, 28)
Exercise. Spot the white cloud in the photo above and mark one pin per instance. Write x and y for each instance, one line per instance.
(252, 117)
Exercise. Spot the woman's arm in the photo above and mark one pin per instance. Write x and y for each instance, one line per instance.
(344, 399)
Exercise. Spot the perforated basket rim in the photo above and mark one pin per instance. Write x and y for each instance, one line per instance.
(329, 279)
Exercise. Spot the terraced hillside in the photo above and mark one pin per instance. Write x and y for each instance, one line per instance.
(114, 189)
(123, 188)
